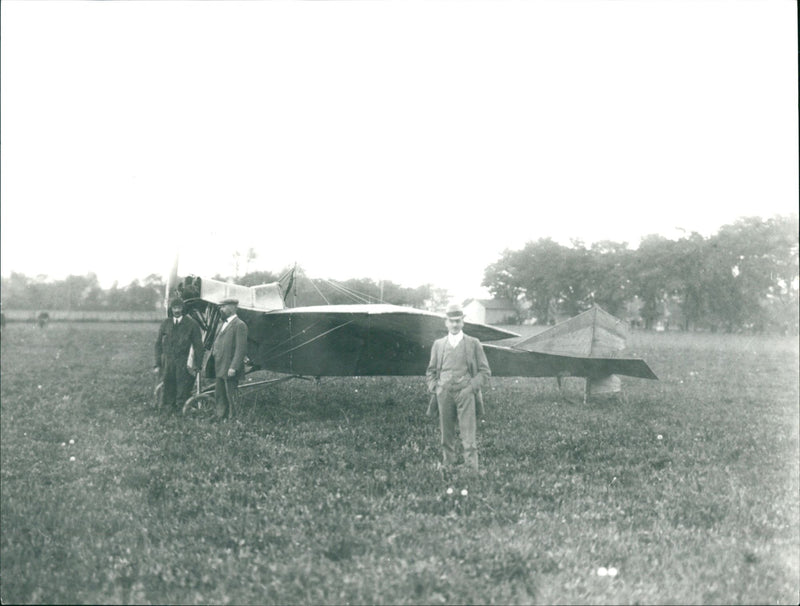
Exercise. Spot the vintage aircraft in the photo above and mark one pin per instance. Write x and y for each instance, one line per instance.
(389, 340)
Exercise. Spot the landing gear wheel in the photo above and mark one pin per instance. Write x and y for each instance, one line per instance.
(200, 406)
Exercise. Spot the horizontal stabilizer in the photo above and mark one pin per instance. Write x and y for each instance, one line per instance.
(513, 362)
(588, 345)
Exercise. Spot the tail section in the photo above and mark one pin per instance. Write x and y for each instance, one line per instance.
(594, 334)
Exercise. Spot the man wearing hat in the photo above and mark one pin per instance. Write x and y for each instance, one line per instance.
(230, 348)
(176, 336)
(457, 371)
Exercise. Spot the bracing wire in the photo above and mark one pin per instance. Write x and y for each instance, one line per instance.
(359, 297)
(304, 343)
(292, 336)
(319, 291)
(286, 274)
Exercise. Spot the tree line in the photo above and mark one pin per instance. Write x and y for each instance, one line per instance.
(80, 293)
(744, 277)
(84, 293)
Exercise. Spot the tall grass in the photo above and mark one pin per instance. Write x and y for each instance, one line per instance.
(329, 492)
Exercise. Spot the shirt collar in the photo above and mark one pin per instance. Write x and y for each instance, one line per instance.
(455, 339)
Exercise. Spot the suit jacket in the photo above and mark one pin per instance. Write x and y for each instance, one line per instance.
(174, 341)
(477, 366)
(230, 348)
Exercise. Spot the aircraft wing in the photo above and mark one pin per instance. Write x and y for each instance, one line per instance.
(350, 340)
(379, 339)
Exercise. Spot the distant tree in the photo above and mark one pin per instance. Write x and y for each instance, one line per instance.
(437, 300)
(405, 296)
(687, 273)
(115, 297)
(535, 273)
(551, 277)
(74, 292)
(255, 278)
(577, 280)
(138, 297)
(318, 291)
(756, 264)
(15, 291)
(609, 279)
(503, 278)
(245, 259)
(652, 276)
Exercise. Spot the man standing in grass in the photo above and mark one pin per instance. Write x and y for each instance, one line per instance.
(457, 371)
(175, 337)
(230, 347)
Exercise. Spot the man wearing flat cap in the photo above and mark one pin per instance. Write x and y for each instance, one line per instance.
(230, 348)
(176, 336)
(457, 371)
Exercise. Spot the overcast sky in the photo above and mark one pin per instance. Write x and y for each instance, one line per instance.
(404, 141)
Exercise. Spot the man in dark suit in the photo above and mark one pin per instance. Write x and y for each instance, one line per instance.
(457, 371)
(230, 348)
(176, 336)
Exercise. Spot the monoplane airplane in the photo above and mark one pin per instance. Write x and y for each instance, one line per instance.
(390, 340)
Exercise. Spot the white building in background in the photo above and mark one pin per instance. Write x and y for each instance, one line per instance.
(490, 311)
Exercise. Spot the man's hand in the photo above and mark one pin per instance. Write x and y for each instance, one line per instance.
(231, 372)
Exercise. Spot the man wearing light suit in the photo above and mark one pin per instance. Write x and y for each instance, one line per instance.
(457, 371)
(229, 350)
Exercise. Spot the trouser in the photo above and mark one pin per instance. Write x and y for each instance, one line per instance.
(226, 397)
(456, 408)
(177, 384)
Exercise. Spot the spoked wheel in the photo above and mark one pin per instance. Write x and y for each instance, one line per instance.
(200, 406)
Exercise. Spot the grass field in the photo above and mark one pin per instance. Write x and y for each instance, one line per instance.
(329, 494)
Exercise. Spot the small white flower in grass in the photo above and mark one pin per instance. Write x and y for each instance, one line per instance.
(464, 492)
(38, 387)
(63, 443)
(449, 490)
(612, 572)
(659, 437)
(72, 441)
(602, 571)
(72, 458)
